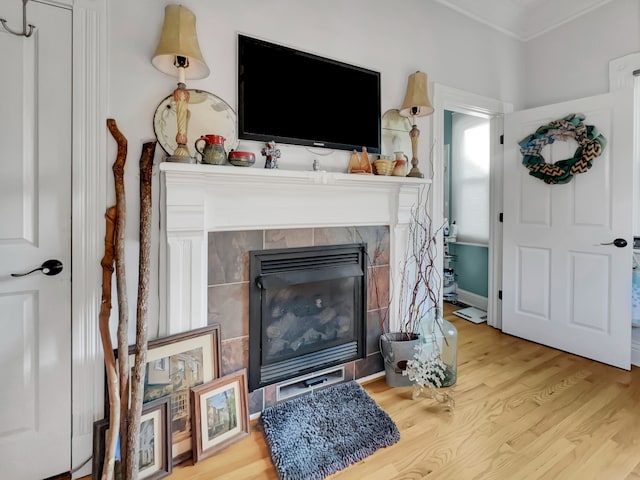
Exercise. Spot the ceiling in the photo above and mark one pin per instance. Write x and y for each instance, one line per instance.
(523, 19)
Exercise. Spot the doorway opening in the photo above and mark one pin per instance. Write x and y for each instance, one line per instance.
(466, 165)
(466, 104)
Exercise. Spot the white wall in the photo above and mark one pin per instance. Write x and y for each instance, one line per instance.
(395, 38)
(573, 60)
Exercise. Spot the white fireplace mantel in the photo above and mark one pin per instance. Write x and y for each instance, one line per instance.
(197, 199)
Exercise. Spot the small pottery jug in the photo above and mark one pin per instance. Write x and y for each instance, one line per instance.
(400, 169)
(212, 150)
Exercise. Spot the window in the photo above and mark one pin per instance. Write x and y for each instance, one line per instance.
(470, 178)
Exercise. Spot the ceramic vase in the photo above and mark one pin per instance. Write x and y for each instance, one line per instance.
(397, 348)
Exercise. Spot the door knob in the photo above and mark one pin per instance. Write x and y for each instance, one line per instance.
(50, 267)
(618, 242)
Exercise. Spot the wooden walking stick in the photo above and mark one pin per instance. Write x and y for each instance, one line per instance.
(109, 357)
(137, 381)
(121, 284)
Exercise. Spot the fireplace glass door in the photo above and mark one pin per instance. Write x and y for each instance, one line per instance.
(307, 310)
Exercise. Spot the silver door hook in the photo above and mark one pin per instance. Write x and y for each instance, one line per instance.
(25, 32)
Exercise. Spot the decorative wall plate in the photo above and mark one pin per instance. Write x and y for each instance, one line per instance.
(395, 133)
(208, 114)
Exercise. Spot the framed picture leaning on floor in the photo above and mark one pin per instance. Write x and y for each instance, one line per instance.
(154, 452)
(220, 414)
(174, 365)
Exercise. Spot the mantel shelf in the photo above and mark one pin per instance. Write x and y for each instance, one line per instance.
(207, 173)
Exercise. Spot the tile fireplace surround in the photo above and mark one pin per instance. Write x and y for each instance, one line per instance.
(214, 215)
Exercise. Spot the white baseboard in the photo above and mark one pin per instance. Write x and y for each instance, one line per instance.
(472, 299)
(635, 355)
(635, 348)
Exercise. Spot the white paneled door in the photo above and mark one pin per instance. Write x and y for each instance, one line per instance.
(35, 226)
(564, 284)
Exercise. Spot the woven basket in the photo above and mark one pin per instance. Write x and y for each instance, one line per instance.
(384, 167)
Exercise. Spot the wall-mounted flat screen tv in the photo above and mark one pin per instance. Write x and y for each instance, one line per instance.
(290, 96)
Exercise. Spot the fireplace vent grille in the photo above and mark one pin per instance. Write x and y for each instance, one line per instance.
(279, 264)
(299, 365)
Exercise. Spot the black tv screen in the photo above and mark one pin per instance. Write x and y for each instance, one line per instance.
(290, 96)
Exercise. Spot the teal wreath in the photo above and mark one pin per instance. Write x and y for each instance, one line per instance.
(590, 146)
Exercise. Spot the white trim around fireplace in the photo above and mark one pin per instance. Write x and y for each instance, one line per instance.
(197, 199)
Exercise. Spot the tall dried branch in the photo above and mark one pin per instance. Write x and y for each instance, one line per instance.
(137, 381)
(420, 278)
(109, 357)
(121, 284)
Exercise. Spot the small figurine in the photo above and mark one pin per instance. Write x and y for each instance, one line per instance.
(272, 153)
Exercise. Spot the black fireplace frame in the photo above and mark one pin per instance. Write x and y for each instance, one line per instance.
(273, 268)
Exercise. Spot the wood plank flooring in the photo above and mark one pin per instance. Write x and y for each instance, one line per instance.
(523, 411)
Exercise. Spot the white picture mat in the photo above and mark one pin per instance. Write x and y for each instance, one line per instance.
(206, 442)
(156, 418)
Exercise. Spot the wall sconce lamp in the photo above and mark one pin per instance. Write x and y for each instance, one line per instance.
(416, 104)
(178, 54)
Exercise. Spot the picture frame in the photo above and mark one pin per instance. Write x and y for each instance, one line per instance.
(175, 364)
(100, 428)
(220, 414)
(155, 434)
(154, 452)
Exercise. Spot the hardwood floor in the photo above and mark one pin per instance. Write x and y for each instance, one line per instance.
(523, 411)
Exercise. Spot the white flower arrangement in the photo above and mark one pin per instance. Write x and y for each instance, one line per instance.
(418, 300)
(427, 370)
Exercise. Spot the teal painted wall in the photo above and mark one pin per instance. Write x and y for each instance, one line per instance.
(472, 262)
(472, 268)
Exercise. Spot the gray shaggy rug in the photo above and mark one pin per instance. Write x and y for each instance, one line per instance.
(313, 436)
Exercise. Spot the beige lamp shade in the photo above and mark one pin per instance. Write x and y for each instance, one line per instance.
(416, 101)
(179, 38)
